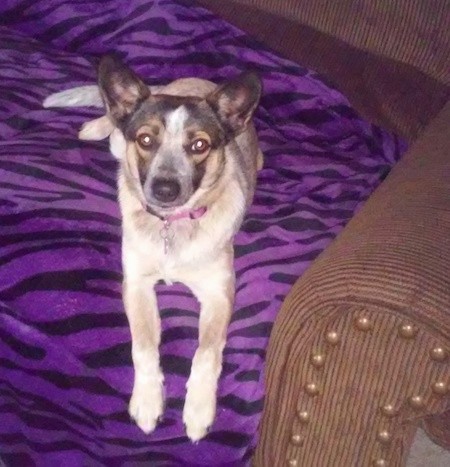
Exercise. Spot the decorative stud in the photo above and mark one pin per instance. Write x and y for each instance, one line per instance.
(384, 436)
(440, 388)
(292, 462)
(389, 410)
(332, 337)
(407, 331)
(416, 402)
(312, 389)
(363, 324)
(317, 360)
(380, 463)
(296, 440)
(303, 416)
(438, 354)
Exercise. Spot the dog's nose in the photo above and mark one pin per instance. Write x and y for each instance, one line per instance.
(165, 190)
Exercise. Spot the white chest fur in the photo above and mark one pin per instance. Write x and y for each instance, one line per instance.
(190, 244)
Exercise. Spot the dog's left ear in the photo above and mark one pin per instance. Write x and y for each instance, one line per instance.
(235, 101)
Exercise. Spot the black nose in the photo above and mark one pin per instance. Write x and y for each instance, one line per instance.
(165, 190)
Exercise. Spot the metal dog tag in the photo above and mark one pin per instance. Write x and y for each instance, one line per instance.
(167, 235)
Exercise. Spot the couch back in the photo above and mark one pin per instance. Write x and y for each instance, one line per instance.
(414, 32)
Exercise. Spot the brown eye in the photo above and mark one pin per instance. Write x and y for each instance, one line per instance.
(144, 140)
(200, 146)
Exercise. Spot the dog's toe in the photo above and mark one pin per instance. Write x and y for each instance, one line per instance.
(199, 410)
(195, 435)
(146, 406)
(143, 417)
(196, 430)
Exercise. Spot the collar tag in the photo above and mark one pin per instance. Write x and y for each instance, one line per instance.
(167, 235)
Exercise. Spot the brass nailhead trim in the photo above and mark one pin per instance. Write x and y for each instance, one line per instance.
(363, 324)
(416, 402)
(292, 462)
(312, 389)
(438, 354)
(440, 388)
(384, 437)
(407, 331)
(303, 416)
(380, 463)
(296, 440)
(317, 360)
(388, 410)
(332, 337)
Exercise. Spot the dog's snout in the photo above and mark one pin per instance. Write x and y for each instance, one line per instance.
(165, 190)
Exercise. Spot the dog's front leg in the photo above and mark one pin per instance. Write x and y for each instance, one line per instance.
(146, 404)
(215, 292)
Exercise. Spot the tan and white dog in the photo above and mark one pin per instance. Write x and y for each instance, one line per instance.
(188, 156)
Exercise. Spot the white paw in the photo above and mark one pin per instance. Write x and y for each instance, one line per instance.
(199, 408)
(147, 403)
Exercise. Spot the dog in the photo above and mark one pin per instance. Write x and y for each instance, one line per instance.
(189, 157)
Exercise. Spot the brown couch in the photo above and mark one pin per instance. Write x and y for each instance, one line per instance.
(359, 354)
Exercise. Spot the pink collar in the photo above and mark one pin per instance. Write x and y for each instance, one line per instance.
(192, 214)
(189, 214)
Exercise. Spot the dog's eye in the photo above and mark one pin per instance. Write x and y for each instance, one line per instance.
(199, 146)
(144, 140)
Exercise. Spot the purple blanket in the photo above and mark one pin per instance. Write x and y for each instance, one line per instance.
(65, 355)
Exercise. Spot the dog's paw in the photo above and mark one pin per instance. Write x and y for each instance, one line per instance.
(199, 409)
(147, 404)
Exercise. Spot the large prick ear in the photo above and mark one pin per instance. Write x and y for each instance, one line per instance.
(122, 90)
(235, 101)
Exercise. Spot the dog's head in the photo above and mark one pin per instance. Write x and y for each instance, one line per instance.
(175, 145)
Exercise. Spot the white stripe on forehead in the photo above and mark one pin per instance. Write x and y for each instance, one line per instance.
(171, 152)
(175, 121)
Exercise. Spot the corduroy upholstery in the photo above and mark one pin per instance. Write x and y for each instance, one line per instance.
(401, 90)
(359, 355)
(414, 32)
(386, 275)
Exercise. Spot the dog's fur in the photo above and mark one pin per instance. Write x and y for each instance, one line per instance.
(155, 133)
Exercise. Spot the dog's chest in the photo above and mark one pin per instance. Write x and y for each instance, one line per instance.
(177, 252)
(172, 251)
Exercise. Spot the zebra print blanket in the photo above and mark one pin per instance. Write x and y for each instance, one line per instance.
(65, 369)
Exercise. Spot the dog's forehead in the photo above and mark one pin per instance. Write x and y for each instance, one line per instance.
(176, 114)
(175, 120)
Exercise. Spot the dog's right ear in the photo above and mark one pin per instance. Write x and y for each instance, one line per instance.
(122, 90)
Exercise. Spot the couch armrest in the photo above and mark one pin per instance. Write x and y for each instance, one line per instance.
(383, 288)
